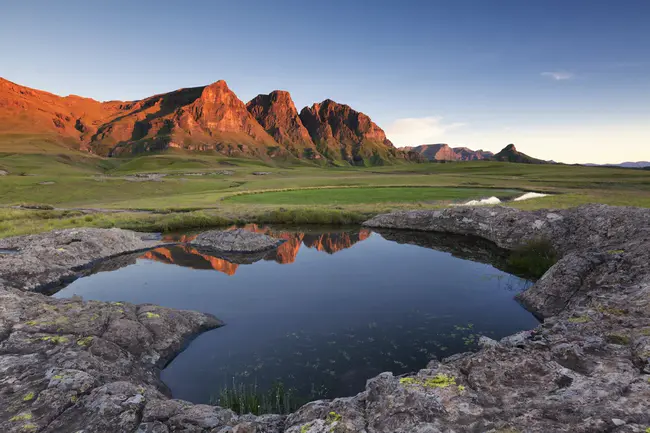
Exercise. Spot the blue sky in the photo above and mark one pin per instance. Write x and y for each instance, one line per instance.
(566, 80)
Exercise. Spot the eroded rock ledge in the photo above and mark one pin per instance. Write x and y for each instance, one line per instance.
(70, 366)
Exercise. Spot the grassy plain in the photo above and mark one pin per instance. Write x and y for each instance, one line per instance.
(101, 192)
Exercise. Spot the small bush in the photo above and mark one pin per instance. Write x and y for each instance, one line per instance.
(533, 259)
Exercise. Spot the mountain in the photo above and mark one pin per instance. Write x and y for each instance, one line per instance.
(436, 152)
(207, 118)
(635, 164)
(511, 154)
(277, 114)
(341, 133)
(466, 154)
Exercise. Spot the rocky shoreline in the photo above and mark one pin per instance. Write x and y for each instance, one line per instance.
(73, 366)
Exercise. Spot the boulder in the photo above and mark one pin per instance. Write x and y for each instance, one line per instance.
(236, 241)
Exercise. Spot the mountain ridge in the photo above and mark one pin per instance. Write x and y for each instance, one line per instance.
(206, 118)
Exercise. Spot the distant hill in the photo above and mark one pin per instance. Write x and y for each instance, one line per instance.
(436, 152)
(201, 119)
(443, 152)
(511, 154)
(466, 154)
(629, 164)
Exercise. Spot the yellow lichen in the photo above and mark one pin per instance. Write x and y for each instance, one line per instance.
(74, 399)
(440, 380)
(32, 323)
(56, 339)
(579, 319)
(84, 341)
(151, 315)
(29, 396)
(29, 427)
(610, 310)
(305, 428)
(21, 417)
(57, 376)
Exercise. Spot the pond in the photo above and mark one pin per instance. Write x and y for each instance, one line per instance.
(325, 312)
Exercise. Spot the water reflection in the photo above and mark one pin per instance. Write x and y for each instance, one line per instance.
(193, 257)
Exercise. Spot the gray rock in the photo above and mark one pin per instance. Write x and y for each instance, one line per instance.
(236, 241)
(51, 258)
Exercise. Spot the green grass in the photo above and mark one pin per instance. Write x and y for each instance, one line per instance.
(290, 194)
(335, 196)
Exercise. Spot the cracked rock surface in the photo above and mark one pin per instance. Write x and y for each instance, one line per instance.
(236, 241)
(46, 259)
(73, 366)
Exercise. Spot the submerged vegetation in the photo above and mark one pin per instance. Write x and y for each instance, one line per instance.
(533, 258)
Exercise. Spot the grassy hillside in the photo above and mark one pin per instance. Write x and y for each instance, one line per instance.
(239, 189)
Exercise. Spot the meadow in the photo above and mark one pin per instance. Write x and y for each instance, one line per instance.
(201, 190)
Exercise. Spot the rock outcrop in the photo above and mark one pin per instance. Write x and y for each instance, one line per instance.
(586, 369)
(341, 133)
(511, 154)
(47, 259)
(236, 241)
(69, 366)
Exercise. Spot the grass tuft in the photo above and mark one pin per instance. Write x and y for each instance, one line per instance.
(244, 399)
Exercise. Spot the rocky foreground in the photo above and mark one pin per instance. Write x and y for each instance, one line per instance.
(73, 366)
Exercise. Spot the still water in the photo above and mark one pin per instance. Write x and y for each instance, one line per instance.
(323, 313)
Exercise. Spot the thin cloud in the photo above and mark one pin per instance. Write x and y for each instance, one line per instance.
(558, 75)
(413, 131)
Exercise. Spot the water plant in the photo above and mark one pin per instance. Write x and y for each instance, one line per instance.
(533, 258)
(248, 398)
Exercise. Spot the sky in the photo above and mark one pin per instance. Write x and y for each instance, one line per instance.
(564, 80)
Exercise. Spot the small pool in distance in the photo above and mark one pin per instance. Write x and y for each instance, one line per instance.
(325, 312)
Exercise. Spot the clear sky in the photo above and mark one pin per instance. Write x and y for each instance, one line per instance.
(566, 80)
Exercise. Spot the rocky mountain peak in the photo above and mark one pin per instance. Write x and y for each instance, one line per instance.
(278, 115)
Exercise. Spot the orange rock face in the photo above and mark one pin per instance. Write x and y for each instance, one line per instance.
(208, 118)
(277, 114)
(340, 132)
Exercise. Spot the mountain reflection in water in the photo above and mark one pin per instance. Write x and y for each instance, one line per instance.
(351, 304)
(189, 256)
